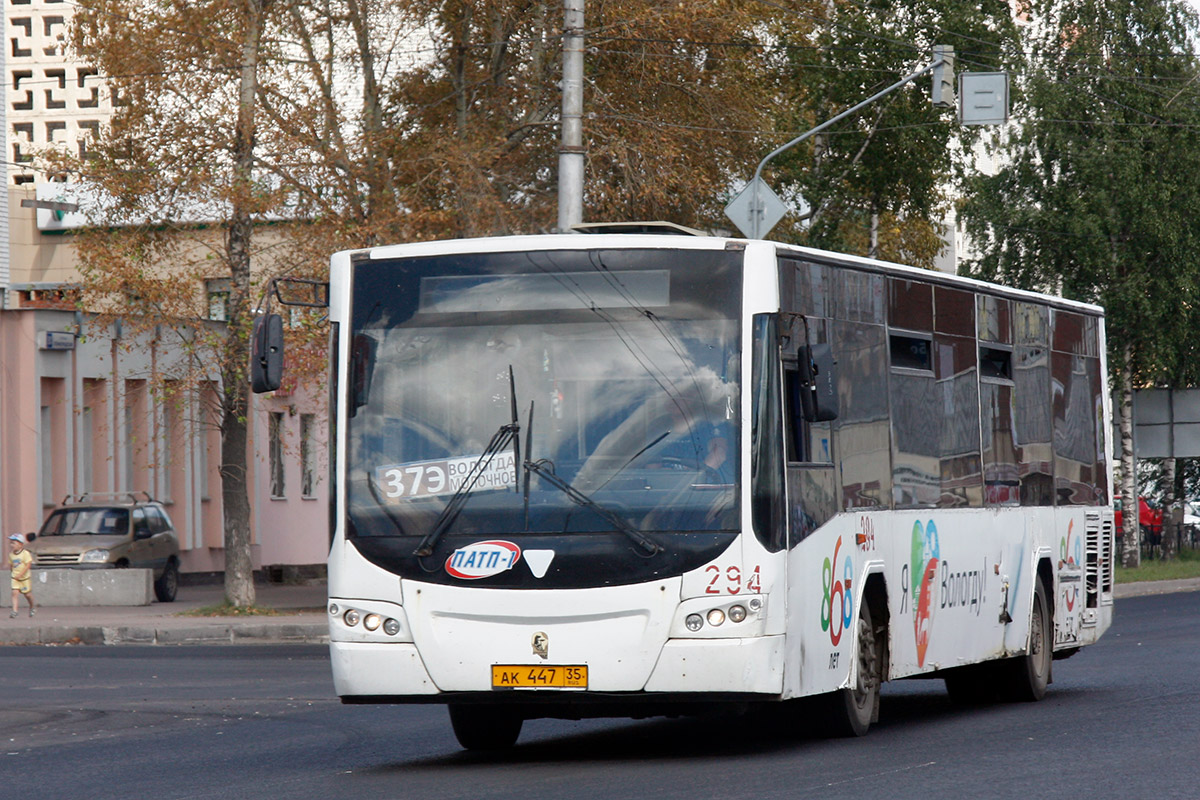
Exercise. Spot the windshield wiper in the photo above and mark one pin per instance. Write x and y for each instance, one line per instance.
(507, 433)
(633, 458)
(581, 499)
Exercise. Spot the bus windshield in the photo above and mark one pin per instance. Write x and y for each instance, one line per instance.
(624, 367)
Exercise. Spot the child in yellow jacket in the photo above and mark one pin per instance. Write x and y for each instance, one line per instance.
(21, 566)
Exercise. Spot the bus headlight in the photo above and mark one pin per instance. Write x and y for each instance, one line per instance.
(372, 622)
(351, 617)
(333, 609)
(694, 622)
(737, 613)
(716, 617)
(391, 627)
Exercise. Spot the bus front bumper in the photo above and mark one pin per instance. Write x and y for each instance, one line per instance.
(739, 668)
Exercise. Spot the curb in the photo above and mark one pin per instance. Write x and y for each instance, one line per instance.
(292, 633)
(1146, 588)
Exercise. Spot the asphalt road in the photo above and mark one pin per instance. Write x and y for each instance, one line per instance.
(1121, 720)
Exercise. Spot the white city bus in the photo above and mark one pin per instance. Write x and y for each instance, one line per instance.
(635, 474)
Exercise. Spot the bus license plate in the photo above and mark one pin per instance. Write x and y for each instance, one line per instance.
(525, 676)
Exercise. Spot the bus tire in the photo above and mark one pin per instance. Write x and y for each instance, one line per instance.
(485, 727)
(1026, 677)
(971, 685)
(851, 711)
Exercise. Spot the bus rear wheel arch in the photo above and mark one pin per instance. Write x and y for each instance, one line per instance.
(1022, 678)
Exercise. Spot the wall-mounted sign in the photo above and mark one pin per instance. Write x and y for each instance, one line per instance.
(56, 340)
(57, 206)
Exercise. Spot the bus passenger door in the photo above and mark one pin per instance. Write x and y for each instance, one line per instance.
(809, 400)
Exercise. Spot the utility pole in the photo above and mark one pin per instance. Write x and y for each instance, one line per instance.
(570, 151)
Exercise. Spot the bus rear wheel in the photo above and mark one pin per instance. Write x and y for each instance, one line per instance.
(485, 727)
(851, 711)
(1026, 677)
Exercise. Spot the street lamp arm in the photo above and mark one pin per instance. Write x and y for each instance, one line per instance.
(909, 79)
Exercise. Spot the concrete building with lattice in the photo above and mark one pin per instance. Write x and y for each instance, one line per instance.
(78, 411)
(53, 100)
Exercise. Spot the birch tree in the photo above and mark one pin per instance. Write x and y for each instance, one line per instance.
(179, 152)
(1095, 195)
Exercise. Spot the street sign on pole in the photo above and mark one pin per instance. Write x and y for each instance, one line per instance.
(756, 209)
(983, 98)
(1166, 423)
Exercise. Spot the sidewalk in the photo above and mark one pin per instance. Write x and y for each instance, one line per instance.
(302, 618)
(1155, 587)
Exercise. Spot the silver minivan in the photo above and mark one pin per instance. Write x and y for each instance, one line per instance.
(111, 532)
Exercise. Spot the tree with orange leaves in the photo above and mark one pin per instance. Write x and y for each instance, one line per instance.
(269, 133)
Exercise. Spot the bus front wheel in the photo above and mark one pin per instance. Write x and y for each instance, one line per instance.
(485, 727)
(851, 711)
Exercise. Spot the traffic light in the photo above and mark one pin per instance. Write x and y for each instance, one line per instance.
(943, 76)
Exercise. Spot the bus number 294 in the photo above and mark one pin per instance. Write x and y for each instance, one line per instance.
(733, 580)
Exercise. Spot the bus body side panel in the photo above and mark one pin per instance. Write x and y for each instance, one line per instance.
(820, 643)
(960, 585)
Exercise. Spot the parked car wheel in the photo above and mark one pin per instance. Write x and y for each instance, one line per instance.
(167, 584)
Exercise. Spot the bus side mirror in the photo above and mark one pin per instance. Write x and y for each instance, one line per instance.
(818, 397)
(266, 358)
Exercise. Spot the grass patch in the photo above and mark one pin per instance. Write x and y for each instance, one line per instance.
(229, 610)
(1186, 565)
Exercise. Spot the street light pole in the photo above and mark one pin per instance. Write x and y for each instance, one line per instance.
(570, 152)
(756, 203)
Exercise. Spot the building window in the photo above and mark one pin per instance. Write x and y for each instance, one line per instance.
(128, 449)
(202, 462)
(47, 434)
(217, 292)
(168, 455)
(87, 452)
(308, 454)
(209, 441)
(138, 442)
(275, 447)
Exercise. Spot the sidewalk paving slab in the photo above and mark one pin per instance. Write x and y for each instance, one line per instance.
(301, 618)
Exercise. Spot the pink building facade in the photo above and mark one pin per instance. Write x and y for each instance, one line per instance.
(80, 412)
(79, 407)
